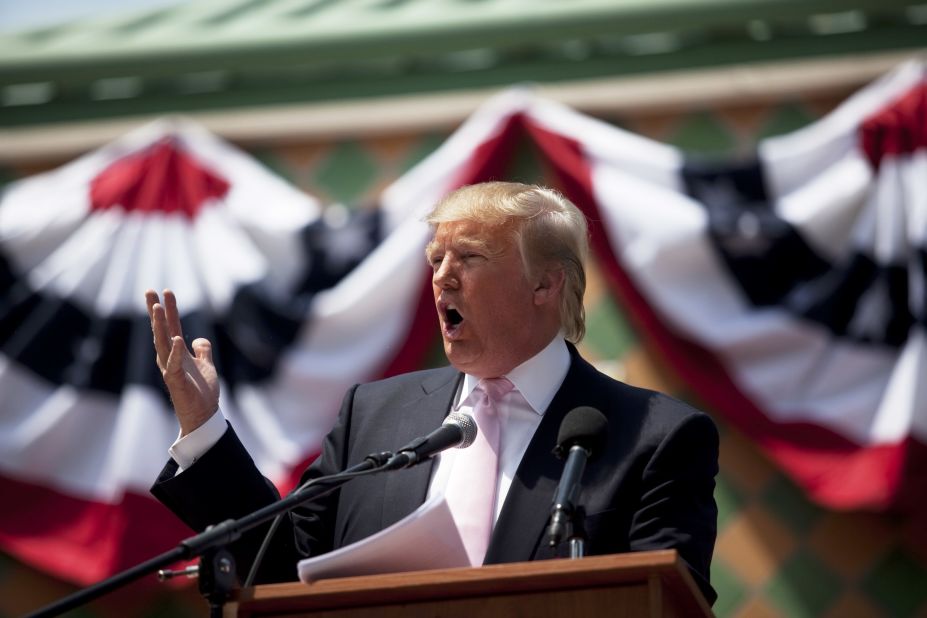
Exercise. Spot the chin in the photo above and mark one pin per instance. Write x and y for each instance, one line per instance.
(459, 358)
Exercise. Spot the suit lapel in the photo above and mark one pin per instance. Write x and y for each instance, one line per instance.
(525, 513)
(406, 490)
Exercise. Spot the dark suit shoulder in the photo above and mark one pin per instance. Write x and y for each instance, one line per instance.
(413, 384)
(415, 401)
(642, 415)
(662, 409)
(620, 397)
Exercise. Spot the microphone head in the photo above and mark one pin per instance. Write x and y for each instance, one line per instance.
(467, 427)
(583, 426)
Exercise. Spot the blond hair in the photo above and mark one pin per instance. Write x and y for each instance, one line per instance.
(548, 229)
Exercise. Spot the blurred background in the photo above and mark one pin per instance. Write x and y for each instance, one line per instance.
(342, 99)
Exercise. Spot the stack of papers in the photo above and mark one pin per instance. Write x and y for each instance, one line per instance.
(425, 539)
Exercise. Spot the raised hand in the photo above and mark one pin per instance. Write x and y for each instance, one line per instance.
(191, 379)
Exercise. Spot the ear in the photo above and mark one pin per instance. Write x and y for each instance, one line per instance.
(549, 286)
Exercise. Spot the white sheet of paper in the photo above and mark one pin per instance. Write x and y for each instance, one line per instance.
(425, 539)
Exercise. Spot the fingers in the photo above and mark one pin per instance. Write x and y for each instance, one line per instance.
(174, 363)
(165, 326)
(168, 334)
(151, 299)
(173, 316)
(159, 330)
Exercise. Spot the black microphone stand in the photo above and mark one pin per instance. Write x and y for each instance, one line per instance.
(217, 566)
(567, 519)
(583, 433)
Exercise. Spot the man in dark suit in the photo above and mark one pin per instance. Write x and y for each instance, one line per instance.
(508, 283)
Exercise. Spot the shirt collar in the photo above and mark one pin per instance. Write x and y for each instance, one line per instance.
(537, 379)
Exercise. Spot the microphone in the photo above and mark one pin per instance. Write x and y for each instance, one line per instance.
(457, 430)
(583, 433)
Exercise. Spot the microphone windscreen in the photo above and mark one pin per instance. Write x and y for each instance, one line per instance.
(466, 424)
(584, 426)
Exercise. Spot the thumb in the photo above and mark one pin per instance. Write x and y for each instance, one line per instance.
(202, 349)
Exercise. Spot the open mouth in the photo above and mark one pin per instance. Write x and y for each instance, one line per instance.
(452, 319)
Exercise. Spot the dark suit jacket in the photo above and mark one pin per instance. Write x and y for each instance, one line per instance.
(652, 488)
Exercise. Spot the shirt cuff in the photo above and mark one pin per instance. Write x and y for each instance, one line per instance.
(187, 449)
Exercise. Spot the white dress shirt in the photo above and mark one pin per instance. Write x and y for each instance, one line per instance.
(536, 382)
(187, 449)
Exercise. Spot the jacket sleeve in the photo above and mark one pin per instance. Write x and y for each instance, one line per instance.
(225, 484)
(676, 508)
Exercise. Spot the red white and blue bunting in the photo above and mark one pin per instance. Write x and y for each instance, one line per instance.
(788, 291)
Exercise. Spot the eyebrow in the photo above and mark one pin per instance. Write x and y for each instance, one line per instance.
(470, 243)
(463, 243)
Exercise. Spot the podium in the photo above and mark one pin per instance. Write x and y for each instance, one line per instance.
(642, 584)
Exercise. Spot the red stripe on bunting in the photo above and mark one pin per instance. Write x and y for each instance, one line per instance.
(834, 471)
(80, 540)
(900, 128)
(160, 178)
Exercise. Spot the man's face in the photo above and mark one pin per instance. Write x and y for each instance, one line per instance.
(486, 305)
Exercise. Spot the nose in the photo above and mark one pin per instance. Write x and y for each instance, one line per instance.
(444, 275)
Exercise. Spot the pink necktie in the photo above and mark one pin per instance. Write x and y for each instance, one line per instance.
(471, 488)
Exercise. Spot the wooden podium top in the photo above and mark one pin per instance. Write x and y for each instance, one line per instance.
(645, 583)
